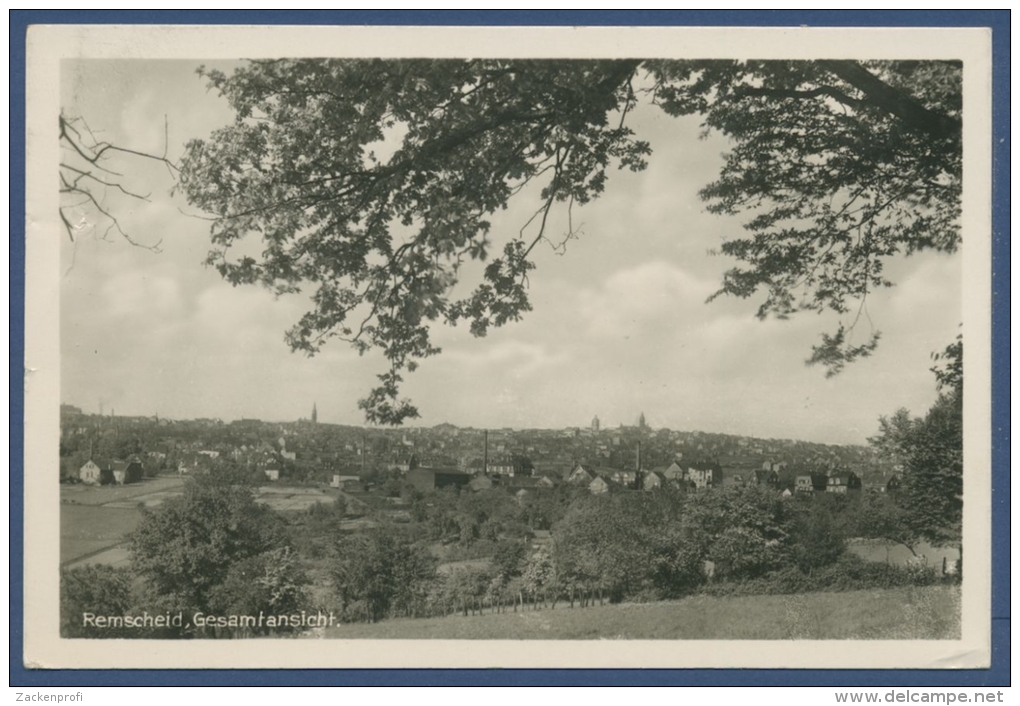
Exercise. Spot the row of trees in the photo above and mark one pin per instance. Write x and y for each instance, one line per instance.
(634, 546)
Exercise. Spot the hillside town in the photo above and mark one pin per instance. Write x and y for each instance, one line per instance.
(109, 449)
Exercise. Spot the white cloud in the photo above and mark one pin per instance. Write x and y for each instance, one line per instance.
(633, 301)
(507, 358)
(140, 294)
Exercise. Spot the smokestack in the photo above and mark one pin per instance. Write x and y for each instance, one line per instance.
(485, 455)
(638, 480)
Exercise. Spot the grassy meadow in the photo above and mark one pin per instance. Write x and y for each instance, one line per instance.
(86, 530)
(881, 614)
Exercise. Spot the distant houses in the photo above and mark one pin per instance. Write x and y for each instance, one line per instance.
(502, 466)
(589, 459)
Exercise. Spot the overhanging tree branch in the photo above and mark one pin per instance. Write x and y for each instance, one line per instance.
(83, 159)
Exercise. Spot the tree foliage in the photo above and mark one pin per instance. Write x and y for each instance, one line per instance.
(374, 182)
(97, 589)
(745, 531)
(840, 165)
(272, 583)
(598, 545)
(932, 491)
(187, 547)
(375, 573)
(930, 452)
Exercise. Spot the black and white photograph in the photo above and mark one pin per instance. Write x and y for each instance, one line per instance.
(608, 347)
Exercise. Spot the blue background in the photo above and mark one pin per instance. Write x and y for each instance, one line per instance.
(998, 675)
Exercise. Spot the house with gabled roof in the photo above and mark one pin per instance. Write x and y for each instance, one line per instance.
(601, 485)
(843, 482)
(673, 472)
(652, 480)
(580, 475)
(96, 472)
(545, 482)
(767, 478)
(704, 475)
(129, 471)
(811, 483)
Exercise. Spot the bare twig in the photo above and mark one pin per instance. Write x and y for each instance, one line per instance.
(81, 145)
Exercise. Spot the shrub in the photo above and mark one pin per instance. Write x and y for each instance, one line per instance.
(188, 545)
(850, 573)
(381, 573)
(97, 589)
(270, 583)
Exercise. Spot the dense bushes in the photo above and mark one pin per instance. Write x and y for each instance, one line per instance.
(381, 573)
(651, 546)
(99, 590)
(215, 549)
(657, 545)
(188, 545)
(448, 516)
(271, 583)
(848, 573)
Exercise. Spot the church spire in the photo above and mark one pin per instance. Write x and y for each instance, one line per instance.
(315, 414)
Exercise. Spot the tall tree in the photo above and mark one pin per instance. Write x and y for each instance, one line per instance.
(930, 450)
(375, 573)
(185, 549)
(374, 181)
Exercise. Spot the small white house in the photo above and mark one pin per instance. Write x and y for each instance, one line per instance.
(94, 474)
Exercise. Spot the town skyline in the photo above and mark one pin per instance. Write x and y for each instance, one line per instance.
(589, 428)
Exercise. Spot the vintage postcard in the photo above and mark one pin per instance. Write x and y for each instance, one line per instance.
(507, 347)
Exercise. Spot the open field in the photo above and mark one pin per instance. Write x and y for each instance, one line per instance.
(889, 553)
(151, 492)
(86, 530)
(886, 614)
(94, 520)
(285, 498)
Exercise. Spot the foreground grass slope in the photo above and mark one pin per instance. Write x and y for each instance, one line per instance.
(886, 614)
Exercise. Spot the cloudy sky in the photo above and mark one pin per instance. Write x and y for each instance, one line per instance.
(620, 325)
